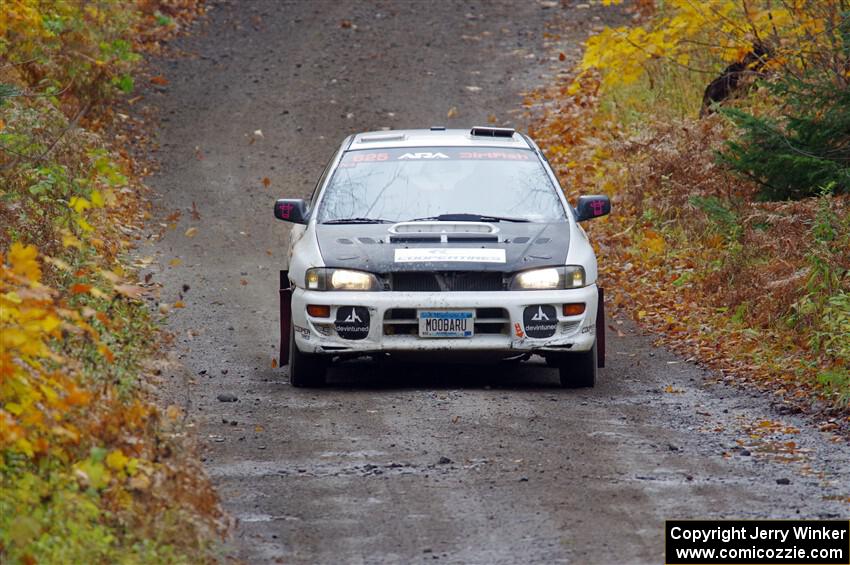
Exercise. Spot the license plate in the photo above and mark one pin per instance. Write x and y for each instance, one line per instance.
(446, 323)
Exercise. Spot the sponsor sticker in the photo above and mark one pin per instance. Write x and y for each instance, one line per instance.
(352, 322)
(376, 157)
(449, 255)
(540, 321)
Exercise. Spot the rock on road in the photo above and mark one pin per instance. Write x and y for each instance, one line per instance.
(479, 464)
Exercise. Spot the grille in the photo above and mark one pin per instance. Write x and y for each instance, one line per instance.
(457, 281)
(402, 321)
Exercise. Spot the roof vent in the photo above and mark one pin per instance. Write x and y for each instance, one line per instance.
(486, 131)
(438, 128)
(381, 137)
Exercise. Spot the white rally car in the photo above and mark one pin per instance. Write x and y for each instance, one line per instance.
(427, 241)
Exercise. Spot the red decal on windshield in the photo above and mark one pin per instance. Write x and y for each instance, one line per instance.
(497, 155)
(369, 157)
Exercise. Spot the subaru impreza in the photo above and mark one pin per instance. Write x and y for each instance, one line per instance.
(439, 242)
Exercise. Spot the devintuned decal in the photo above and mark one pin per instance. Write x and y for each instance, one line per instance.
(449, 255)
(540, 321)
(589, 329)
(352, 322)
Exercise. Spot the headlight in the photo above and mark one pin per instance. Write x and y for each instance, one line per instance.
(321, 278)
(550, 278)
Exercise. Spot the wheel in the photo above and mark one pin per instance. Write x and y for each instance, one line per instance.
(578, 370)
(305, 369)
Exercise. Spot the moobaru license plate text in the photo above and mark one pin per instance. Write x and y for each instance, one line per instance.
(446, 323)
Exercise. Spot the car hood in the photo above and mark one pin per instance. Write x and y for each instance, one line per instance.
(373, 248)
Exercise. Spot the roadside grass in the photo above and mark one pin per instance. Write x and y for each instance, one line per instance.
(758, 290)
(91, 470)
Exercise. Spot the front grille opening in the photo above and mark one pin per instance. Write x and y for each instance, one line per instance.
(404, 321)
(415, 282)
(400, 314)
(447, 281)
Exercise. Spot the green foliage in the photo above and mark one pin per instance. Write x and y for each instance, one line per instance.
(722, 217)
(86, 473)
(48, 518)
(825, 307)
(81, 47)
(806, 148)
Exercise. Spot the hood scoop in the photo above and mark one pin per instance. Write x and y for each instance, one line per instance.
(443, 232)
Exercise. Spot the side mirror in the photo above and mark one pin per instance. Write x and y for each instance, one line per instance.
(291, 210)
(589, 207)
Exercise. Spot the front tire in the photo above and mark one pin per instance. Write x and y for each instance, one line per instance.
(305, 369)
(578, 370)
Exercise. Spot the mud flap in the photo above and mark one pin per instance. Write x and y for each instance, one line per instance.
(600, 329)
(285, 317)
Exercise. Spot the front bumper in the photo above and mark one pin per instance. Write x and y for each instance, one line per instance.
(499, 321)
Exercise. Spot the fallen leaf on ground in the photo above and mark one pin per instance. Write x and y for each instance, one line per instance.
(80, 288)
(191, 232)
(129, 290)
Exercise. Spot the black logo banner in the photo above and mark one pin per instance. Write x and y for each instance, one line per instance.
(540, 321)
(352, 322)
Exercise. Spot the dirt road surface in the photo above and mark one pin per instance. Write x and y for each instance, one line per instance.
(474, 464)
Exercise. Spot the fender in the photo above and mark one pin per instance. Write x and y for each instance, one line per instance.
(600, 329)
(285, 317)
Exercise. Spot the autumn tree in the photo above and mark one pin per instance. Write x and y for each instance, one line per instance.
(794, 135)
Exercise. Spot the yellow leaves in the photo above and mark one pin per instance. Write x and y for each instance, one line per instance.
(191, 232)
(653, 242)
(93, 474)
(70, 240)
(35, 400)
(84, 224)
(726, 29)
(116, 460)
(79, 204)
(14, 408)
(97, 199)
(23, 260)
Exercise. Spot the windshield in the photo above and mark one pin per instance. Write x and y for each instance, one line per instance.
(452, 183)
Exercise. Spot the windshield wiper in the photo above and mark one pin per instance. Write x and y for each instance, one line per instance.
(468, 218)
(358, 221)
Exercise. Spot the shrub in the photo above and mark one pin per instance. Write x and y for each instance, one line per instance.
(806, 148)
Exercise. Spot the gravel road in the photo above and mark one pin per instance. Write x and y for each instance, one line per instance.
(482, 464)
